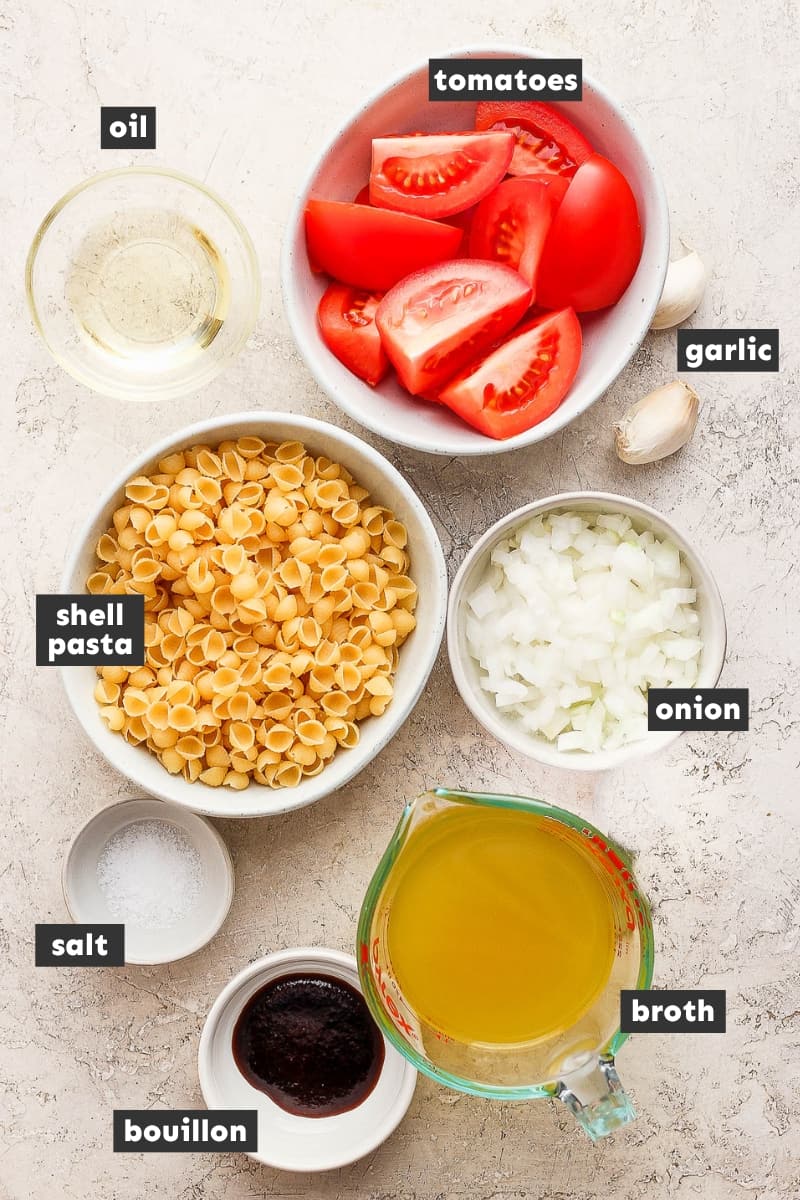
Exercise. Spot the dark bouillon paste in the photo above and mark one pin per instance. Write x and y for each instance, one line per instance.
(309, 1042)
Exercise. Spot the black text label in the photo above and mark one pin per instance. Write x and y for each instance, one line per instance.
(80, 945)
(728, 350)
(128, 128)
(183, 1130)
(672, 1012)
(104, 631)
(698, 708)
(505, 79)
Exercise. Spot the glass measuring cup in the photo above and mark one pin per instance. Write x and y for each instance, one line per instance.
(575, 1062)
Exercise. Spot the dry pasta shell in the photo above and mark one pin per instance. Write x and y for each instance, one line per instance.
(157, 714)
(213, 776)
(106, 693)
(346, 512)
(302, 754)
(250, 447)
(121, 517)
(314, 768)
(332, 555)
(160, 739)
(365, 595)
(335, 704)
(98, 583)
(311, 733)
(288, 452)
(107, 548)
(379, 685)
(251, 494)
(278, 705)
(327, 749)
(279, 738)
(190, 746)
(233, 464)
(287, 475)
(182, 717)
(242, 736)
(244, 586)
(173, 463)
(113, 716)
(233, 559)
(217, 756)
(349, 737)
(237, 780)
(192, 768)
(140, 489)
(359, 570)
(134, 702)
(403, 622)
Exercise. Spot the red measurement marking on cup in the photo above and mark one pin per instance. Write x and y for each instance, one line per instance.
(383, 978)
(621, 877)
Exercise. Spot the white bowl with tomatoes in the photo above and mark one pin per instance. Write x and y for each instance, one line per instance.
(468, 277)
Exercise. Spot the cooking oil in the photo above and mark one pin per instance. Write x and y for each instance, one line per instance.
(149, 289)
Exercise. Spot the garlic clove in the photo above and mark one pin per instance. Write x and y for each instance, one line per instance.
(683, 291)
(658, 424)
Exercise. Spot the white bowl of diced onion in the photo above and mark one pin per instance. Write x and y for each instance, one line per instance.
(566, 612)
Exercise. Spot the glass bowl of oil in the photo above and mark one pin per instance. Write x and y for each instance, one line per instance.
(143, 283)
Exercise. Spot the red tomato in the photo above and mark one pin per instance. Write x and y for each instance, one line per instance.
(347, 323)
(363, 195)
(437, 174)
(511, 224)
(437, 320)
(594, 243)
(463, 220)
(544, 139)
(556, 188)
(521, 382)
(371, 248)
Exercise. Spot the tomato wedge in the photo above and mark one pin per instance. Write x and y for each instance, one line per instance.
(371, 248)
(437, 174)
(347, 323)
(595, 242)
(521, 382)
(511, 224)
(436, 321)
(544, 140)
(463, 220)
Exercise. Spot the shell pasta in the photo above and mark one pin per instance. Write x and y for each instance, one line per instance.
(277, 596)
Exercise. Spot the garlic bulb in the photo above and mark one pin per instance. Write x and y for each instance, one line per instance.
(683, 291)
(658, 424)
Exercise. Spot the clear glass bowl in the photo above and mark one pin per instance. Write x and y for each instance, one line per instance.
(143, 283)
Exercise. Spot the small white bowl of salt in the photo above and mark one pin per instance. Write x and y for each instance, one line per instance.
(161, 871)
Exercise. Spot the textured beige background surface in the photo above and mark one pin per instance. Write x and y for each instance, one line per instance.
(245, 94)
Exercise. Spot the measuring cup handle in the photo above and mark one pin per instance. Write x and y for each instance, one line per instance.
(596, 1098)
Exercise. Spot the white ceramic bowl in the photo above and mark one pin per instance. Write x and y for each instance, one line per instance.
(467, 673)
(86, 903)
(286, 1141)
(417, 655)
(611, 337)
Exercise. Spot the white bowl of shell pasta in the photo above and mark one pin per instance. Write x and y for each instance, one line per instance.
(295, 597)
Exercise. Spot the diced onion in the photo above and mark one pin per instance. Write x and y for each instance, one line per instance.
(576, 617)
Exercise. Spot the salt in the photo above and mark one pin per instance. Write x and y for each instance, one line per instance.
(150, 874)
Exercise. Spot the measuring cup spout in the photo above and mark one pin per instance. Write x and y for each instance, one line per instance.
(595, 1097)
